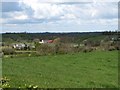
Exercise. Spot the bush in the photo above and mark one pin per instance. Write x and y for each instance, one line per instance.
(8, 51)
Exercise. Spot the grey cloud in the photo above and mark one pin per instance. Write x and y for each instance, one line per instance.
(10, 7)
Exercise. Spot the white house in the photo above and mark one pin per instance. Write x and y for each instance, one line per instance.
(42, 41)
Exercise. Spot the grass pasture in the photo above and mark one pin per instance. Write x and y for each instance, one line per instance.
(82, 70)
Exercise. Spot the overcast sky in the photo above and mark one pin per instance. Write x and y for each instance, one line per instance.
(58, 16)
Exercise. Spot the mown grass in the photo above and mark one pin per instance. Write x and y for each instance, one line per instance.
(82, 70)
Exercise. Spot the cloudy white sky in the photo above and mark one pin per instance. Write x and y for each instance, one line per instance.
(59, 16)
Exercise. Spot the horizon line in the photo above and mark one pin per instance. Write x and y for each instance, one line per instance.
(63, 32)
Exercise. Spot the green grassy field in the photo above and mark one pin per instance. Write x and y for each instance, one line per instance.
(82, 70)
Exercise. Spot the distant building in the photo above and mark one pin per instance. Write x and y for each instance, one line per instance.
(23, 46)
(46, 41)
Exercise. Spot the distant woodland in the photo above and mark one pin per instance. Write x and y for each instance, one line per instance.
(65, 37)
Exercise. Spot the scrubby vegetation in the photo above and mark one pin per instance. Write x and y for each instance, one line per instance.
(63, 43)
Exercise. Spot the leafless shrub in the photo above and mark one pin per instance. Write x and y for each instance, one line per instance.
(111, 48)
(65, 48)
(45, 49)
(87, 49)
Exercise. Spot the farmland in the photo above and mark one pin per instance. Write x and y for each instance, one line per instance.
(95, 69)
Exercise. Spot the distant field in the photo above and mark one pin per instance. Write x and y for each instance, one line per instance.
(83, 70)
